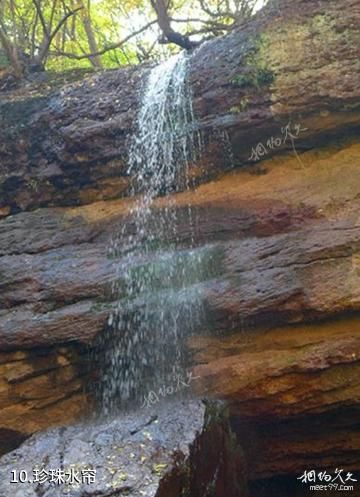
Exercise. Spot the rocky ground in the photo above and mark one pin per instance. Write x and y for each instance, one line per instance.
(180, 449)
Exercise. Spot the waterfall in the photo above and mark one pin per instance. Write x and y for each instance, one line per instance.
(163, 145)
(144, 348)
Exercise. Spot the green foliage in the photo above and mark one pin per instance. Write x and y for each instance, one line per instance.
(256, 73)
(255, 77)
(265, 77)
(119, 33)
(3, 60)
(71, 25)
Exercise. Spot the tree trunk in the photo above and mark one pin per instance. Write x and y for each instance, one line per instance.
(11, 53)
(85, 17)
(169, 35)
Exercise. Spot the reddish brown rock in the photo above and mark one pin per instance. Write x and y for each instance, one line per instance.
(290, 447)
(5, 211)
(284, 372)
(40, 388)
(283, 245)
(279, 243)
(293, 393)
(71, 146)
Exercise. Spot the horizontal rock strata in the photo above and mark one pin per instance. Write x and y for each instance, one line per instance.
(70, 146)
(274, 243)
(293, 392)
(280, 246)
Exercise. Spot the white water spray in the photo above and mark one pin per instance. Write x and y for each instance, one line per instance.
(154, 313)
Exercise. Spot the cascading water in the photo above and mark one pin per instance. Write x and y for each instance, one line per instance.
(154, 312)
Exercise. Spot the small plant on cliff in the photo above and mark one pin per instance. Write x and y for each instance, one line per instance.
(256, 77)
(243, 105)
(256, 72)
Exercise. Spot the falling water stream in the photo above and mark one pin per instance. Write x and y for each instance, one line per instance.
(157, 303)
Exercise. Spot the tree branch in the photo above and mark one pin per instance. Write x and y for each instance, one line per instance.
(41, 17)
(46, 46)
(113, 46)
(170, 36)
(10, 51)
(62, 21)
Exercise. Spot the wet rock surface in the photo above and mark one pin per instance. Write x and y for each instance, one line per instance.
(172, 450)
(283, 245)
(40, 388)
(70, 147)
(277, 248)
(280, 247)
(293, 393)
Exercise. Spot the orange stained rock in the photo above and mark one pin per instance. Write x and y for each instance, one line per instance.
(282, 372)
(330, 176)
